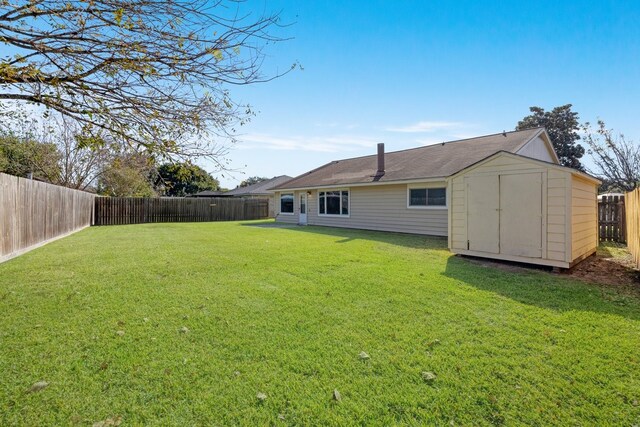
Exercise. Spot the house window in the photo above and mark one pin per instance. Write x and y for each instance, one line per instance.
(333, 202)
(286, 203)
(425, 197)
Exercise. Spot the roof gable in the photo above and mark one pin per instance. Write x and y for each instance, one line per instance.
(538, 145)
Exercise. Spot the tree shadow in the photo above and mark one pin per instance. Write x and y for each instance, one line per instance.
(414, 241)
(540, 288)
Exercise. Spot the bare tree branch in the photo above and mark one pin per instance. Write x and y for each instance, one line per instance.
(617, 159)
(153, 74)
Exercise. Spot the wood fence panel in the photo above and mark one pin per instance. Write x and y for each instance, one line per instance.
(33, 213)
(612, 225)
(133, 210)
(633, 224)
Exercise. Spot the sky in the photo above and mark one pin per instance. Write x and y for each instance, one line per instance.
(411, 73)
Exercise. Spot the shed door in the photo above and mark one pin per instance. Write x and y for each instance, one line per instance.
(521, 215)
(483, 217)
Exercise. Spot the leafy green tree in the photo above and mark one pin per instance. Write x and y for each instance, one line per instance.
(562, 125)
(29, 157)
(183, 179)
(128, 175)
(149, 73)
(616, 158)
(252, 180)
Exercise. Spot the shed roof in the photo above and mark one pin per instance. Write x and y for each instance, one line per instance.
(432, 161)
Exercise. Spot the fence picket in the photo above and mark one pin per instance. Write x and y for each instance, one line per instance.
(133, 210)
(611, 219)
(33, 212)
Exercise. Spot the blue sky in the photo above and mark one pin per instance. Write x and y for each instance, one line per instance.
(410, 73)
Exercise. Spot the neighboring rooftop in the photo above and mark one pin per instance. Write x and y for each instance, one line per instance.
(260, 188)
(432, 161)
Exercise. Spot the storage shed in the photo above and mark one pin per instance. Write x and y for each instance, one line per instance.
(517, 208)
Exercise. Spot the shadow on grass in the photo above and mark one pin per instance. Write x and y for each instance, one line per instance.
(413, 241)
(542, 289)
(531, 286)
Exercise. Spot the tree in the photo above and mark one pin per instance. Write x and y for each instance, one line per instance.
(182, 179)
(27, 157)
(562, 125)
(82, 158)
(129, 174)
(252, 180)
(151, 74)
(56, 150)
(617, 159)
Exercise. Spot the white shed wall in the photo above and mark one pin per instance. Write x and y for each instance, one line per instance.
(537, 149)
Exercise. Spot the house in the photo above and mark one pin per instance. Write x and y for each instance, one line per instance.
(501, 196)
(259, 190)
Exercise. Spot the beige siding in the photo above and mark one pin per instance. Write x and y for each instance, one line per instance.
(272, 212)
(537, 149)
(558, 191)
(381, 207)
(384, 208)
(584, 217)
(286, 218)
(458, 214)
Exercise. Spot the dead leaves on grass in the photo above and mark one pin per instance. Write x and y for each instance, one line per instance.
(428, 377)
(109, 422)
(39, 386)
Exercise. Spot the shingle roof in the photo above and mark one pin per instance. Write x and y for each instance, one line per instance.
(432, 161)
(259, 188)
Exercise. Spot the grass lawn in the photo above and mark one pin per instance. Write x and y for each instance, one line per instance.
(286, 312)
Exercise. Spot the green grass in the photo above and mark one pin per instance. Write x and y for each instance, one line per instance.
(613, 250)
(286, 312)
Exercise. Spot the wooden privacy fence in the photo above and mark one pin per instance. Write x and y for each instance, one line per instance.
(135, 210)
(33, 213)
(633, 224)
(612, 226)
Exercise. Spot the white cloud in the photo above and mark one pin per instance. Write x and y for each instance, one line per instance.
(426, 126)
(329, 144)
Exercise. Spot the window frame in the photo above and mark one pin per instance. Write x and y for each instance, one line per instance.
(340, 215)
(293, 196)
(428, 187)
